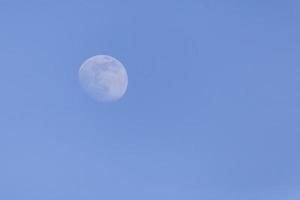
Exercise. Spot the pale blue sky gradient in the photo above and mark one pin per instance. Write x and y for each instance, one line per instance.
(212, 109)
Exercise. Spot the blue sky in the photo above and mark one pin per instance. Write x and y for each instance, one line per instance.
(212, 109)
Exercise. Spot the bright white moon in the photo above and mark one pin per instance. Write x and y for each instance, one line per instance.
(104, 78)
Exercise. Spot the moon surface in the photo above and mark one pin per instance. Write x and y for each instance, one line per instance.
(103, 78)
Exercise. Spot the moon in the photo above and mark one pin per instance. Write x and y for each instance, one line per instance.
(104, 78)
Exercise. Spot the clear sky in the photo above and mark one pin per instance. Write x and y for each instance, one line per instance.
(212, 109)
